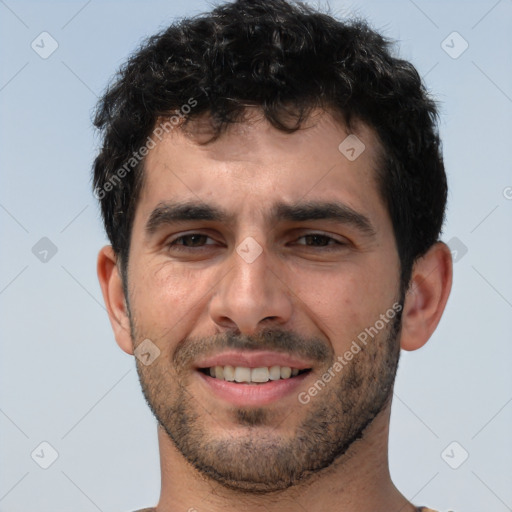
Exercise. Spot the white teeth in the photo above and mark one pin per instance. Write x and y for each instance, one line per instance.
(219, 372)
(275, 372)
(229, 373)
(256, 375)
(286, 372)
(242, 374)
(259, 374)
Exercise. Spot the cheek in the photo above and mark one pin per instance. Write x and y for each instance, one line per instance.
(329, 298)
(344, 302)
(165, 297)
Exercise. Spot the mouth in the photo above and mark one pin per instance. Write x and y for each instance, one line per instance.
(247, 375)
(252, 379)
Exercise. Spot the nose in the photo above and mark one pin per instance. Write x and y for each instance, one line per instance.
(250, 296)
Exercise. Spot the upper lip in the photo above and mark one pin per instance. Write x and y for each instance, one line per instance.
(253, 359)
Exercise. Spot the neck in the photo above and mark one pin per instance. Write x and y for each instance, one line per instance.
(358, 481)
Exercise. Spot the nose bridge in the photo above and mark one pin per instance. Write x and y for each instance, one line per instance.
(250, 292)
(250, 271)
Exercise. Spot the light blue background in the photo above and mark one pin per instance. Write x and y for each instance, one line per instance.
(62, 377)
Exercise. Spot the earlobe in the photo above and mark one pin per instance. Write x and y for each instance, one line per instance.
(425, 301)
(113, 294)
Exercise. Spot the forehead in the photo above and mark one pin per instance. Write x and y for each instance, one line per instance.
(256, 140)
(252, 165)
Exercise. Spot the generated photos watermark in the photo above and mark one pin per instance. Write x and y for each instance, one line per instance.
(363, 337)
(163, 128)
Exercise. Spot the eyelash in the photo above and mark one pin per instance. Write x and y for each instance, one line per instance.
(173, 244)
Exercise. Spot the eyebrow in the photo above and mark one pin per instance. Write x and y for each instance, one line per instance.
(169, 212)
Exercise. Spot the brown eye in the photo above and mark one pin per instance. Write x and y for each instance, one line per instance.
(190, 241)
(318, 240)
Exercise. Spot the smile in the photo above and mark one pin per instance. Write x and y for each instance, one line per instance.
(244, 374)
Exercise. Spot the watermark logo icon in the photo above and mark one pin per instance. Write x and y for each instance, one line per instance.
(351, 147)
(454, 45)
(146, 352)
(457, 248)
(454, 455)
(44, 250)
(44, 455)
(44, 45)
(249, 249)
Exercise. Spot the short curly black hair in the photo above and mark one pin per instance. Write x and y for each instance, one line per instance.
(287, 59)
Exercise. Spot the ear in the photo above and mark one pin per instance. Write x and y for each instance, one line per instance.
(113, 295)
(425, 300)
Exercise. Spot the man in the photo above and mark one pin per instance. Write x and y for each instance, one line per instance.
(272, 186)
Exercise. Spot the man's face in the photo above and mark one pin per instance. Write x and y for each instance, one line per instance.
(264, 250)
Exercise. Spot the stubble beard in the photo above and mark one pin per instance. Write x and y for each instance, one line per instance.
(261, 458)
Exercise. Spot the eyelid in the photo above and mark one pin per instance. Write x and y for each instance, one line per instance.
(170, 241)
(341, 240)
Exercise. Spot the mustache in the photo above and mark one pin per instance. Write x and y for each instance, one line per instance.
(278, 340)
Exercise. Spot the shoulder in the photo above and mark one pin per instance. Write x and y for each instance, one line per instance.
(426, 509)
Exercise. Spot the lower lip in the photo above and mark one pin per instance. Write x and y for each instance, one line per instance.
(252, 394)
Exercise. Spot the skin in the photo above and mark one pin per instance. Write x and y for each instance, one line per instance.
(188, 302)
